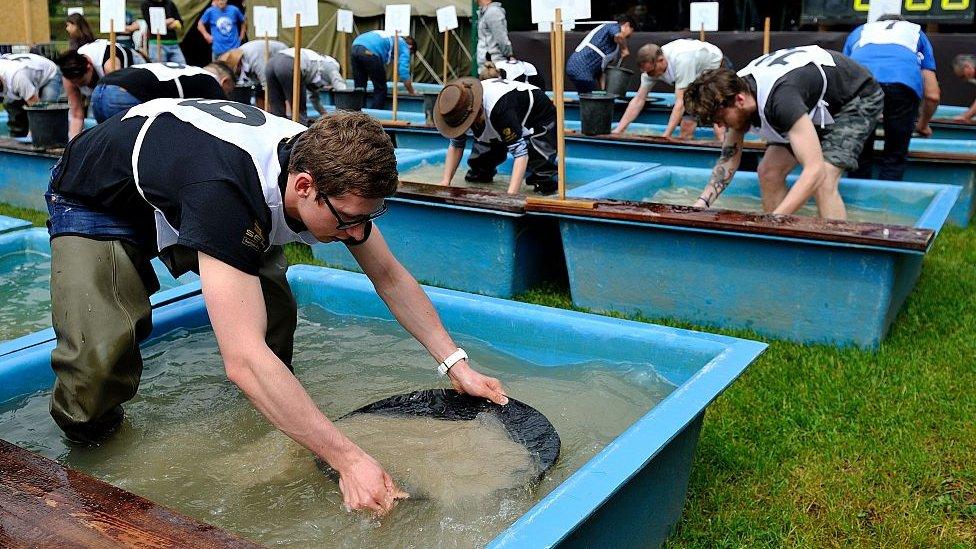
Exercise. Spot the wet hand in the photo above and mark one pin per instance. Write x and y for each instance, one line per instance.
(961, 117)
(924, 131)
(466, 380)
(366, 486)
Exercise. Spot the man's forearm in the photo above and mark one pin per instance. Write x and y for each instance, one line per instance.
(518, 174)
(810, 179)
(278, 395)
(926, 112)
(675, 119)
(722, 173)
(633, 109)
(451, 162)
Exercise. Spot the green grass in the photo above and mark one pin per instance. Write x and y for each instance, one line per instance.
(816, 446)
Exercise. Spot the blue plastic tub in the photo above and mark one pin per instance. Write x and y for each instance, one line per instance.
(802, 290)
(474, 249)
(8, 224)
(631, 493)
(35, 245)
(959, 172)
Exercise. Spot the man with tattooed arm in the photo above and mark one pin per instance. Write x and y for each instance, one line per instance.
(812, 106)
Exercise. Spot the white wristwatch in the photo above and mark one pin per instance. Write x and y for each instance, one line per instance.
(451, 360)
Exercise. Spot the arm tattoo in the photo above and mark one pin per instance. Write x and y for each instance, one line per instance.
(728, 151)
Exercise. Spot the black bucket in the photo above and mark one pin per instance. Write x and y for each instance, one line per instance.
(617, 80)
(48, 125)
(430, 100)
(349, 100)
(596, 112)
(242, 94)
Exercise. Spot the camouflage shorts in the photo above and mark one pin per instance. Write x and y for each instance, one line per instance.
(843, 140)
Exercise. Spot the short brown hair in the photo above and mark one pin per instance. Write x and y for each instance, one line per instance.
(712, 91)
(648, 53)
(347, 152)
(488, 71)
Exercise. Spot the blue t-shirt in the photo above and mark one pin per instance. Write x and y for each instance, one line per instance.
(883, 47)
(381, 44)
(225, 27)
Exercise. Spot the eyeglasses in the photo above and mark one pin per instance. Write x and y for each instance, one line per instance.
(346, 225)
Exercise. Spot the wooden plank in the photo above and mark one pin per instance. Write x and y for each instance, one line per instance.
(43, 504)
(12, 144)
(952, 122)
(462, 196)
(807, 228)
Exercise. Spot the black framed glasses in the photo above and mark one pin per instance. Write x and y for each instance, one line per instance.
(346, 225)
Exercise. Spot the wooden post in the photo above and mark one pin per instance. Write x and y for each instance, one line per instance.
(111, 40)
(396, 70)
(343, 62)
(560, 103)
(445, 56)
(267, 56)
(701, 32)
(552, 58)
(29, 35)
(296, 80)
(766, 36)
(159, 47)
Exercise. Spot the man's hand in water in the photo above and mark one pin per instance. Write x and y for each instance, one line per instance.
(365, 485)
(466, 380)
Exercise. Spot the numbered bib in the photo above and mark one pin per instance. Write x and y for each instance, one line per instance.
(899, 33)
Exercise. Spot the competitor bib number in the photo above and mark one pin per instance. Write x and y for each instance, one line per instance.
(228, 111)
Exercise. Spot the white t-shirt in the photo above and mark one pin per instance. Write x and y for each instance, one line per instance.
(24, 74)
(687, 59)
(319, 70)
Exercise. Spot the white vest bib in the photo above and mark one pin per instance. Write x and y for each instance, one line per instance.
(587, 42)
(165, 72)
(244, 126)
(900, 33)
(768, 69)
(493, 91)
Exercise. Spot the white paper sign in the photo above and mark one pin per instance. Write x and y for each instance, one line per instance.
(447, 18)
(308, 9)
(704, 16)
(265, 21)
(157, 20)
(544, 11)
(111, 10)
(344, 20)
(398, 19)
(877, 8)
(78, 10)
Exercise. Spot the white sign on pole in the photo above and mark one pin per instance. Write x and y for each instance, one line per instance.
(78, 10)
(704, 16)
(266, 21)
(544, 11)
(344, 20)
(398, 19)
(447, 18)
(111, 10)
(157, 20)
(308, 9)
(877, 8)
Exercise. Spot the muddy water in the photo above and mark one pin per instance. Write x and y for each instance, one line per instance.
(192, 442)
(433, 173)
(25, 297)
(686, 196)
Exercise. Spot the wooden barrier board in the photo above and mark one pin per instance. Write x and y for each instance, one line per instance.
(788, 226)
(12, 144)
(43, 504)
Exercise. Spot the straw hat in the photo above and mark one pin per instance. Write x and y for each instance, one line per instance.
(458, 106)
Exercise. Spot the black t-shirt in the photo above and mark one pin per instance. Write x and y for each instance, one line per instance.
(797, 92)
(171, 13)
(146, 86)
(206, 188)
(509, 111)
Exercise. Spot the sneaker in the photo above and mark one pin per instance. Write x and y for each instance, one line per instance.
(546, 187)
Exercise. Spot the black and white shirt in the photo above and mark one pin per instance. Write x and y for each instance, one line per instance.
(156, 80)
(513, 111)
(208, 175)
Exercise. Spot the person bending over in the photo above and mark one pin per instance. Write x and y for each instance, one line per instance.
(677, 63)
(603, 45)
(813, 106)
(81, 70)
(124, 192)
(505, 118)
(319, 72)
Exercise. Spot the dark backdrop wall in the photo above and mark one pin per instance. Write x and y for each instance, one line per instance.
(742, 47)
